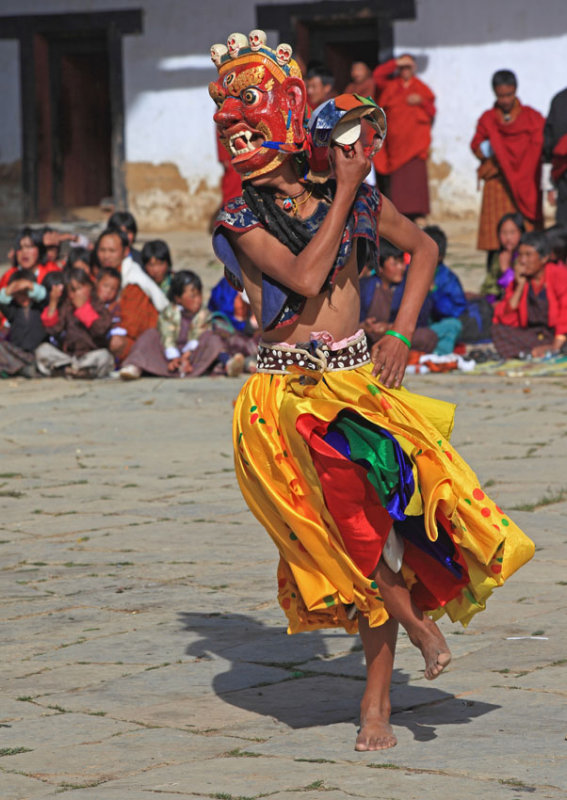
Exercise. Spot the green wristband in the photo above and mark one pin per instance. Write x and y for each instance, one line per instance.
(397, 335)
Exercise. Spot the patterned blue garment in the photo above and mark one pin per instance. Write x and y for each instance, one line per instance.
(280, 305)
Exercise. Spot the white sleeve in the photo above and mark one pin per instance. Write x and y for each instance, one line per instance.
(133, 273)
(546, 182)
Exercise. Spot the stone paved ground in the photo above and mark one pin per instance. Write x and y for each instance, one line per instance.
(144, 655)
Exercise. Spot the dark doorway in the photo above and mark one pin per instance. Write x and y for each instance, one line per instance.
(337, 33)
(71, 75)
(338, 44)
(74, 130)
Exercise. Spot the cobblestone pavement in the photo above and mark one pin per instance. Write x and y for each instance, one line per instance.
(144, 656)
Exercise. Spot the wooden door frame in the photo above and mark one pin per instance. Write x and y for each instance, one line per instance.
(115, 25)
(285, 18)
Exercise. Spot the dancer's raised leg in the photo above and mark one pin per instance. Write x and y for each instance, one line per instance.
(423, 632)
(379, 649)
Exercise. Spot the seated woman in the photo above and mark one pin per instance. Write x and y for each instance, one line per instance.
(377, 299)
(187, 340)
(30, 253)
(532, 317)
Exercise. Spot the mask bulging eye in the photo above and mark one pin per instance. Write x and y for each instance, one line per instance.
(250, 96)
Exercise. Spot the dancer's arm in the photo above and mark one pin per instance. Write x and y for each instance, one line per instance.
(390, 355)
(306, 272)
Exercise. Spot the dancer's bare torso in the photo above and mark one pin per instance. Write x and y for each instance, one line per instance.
(335, 310)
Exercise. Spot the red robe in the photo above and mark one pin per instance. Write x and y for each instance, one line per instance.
(559, 159)
(40, 271)
(409, 127)
(517, 148)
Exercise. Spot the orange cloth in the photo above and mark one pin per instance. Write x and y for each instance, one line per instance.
(138, 314)
(517, 147)
(365, 89)
(409, 126)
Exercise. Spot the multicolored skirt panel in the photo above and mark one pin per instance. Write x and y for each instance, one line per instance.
(329, 461)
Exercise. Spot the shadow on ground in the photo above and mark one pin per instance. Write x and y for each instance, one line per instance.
(318, 678)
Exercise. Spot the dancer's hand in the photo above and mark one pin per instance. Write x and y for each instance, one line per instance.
(350, 166)
(390, 357)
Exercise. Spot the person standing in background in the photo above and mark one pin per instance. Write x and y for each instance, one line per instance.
(362, 82)
(508, 142)
(410, 109)
(320, 85)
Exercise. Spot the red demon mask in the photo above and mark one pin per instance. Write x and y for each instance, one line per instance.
(261, 103)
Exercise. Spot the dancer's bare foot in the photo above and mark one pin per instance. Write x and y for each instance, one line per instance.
(433, 646)
(375, 733)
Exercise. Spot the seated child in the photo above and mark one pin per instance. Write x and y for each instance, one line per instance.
(226, 300)
(531, 319)
(78, 257)
(377, 295)
(80, 324)
(186, 342)
(501, 263)
(156, 261)
(107, 286)
(107, 289)
(21, 302)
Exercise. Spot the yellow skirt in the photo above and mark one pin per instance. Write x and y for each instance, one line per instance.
(327, 462)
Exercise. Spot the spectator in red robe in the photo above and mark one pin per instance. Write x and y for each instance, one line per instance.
(508, 142)
(410, 108)
(362, 82)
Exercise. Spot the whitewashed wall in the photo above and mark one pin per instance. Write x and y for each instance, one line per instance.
(462, 44)
(168, 110)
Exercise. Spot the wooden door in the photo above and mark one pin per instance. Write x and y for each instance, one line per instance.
(74, 159)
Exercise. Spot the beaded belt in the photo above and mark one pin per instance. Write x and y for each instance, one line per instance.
(315, 355)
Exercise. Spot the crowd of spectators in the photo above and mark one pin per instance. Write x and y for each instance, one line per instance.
(109, 308)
